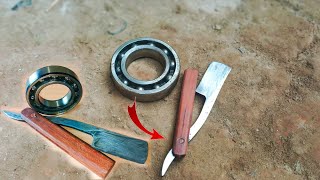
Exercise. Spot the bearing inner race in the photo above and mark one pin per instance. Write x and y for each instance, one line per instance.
(54, 103)
(144, 52)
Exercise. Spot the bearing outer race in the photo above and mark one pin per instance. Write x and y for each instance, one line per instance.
(150, 91)
(53, 75)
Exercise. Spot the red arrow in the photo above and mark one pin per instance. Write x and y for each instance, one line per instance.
(134, 117)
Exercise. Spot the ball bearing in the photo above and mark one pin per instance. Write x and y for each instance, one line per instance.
(145, 48)
(53, 75)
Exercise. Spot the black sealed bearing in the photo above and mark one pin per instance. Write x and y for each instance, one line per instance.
(53, 75)
(145, 48)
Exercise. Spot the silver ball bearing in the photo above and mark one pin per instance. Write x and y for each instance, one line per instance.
(145, 48)
(49, 75)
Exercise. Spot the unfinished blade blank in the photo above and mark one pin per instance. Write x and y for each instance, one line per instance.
(129, 148)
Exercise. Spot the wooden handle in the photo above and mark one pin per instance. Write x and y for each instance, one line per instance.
(78, 149)
(181, 134)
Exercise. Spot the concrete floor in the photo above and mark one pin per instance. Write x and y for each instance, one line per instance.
(264, 124)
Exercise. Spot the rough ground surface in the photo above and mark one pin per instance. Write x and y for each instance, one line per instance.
(264, 124)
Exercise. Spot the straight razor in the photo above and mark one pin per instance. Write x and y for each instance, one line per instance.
(209, 87)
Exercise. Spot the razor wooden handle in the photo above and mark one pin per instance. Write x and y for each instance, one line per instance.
(78, 149)
(181, 134)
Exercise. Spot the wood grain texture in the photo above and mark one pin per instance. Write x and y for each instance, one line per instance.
(97, 162)
(181, 134)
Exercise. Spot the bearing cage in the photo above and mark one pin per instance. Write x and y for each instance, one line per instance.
(145, 90)
(53, 75)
